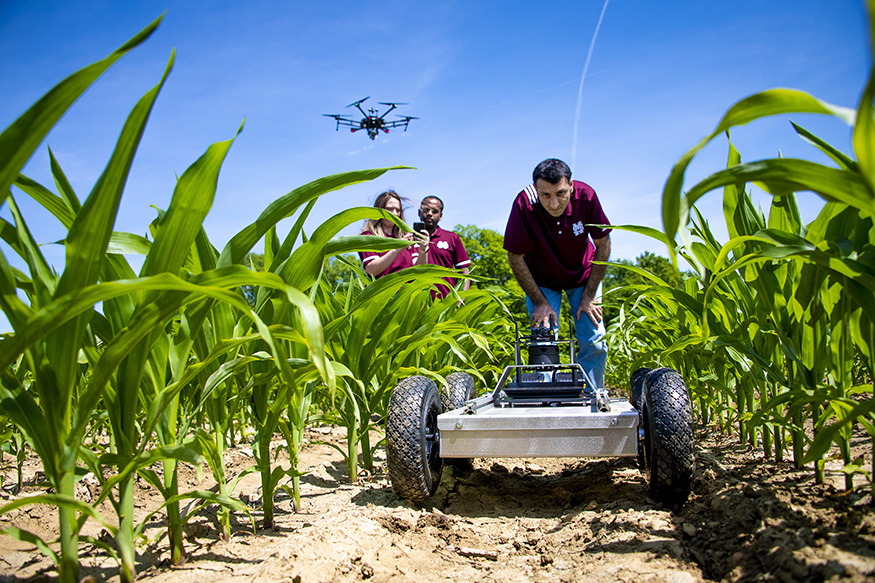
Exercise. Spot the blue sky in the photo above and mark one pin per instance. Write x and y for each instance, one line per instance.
(495, 86)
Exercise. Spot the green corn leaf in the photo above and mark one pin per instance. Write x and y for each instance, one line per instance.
(354, 243)
(271, 240)
(285, 206)
(232, 486)
(65, 189)
(635, 269)
(281, 253)
(22, 407)
(225, 371)
(128, 243)
(840, 158)
(87, 241)
(10, 237)
(732, 194)
(211, 284)
(784, 215)
(127, 356)
(210, 452)
(675, 209)
(205, 495)
(646, 231)
(856, 271)
(20, 140)
(153, 479)
(303, 267)
(703, 230)
(53, 203)
(44, 279)
(788, 175)
(375, 297)
(15, 310)
(864, 133)
(183, 453)
(26, 536)
(825, 438)
(58, 501)
(192, 200)
(63, 308)
(206, 255)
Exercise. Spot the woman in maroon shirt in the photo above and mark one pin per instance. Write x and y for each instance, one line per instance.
(380, 264)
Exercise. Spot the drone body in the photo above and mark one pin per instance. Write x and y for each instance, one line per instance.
(373, 122)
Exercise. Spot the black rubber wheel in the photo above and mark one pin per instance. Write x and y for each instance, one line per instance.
(459, 388)
(412, 439)
(636, 387)
(636, 397)
(668, 436)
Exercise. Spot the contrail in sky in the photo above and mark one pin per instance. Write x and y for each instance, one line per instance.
(580, 91)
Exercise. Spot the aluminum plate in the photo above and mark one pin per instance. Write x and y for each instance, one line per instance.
(535, 431)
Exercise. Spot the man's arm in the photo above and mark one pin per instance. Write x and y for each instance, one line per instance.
(596, 273)
(542, 311)
(467, 283)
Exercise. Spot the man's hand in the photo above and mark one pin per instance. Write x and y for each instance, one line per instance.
(587, 300)
(590, 308)
(421, 242)
(543, 315)
(541, 310)
(424, 241)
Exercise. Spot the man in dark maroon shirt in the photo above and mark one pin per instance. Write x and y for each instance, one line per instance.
(445, 248)
(550, 244)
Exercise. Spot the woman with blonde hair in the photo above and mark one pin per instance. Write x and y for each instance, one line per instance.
(380, 264)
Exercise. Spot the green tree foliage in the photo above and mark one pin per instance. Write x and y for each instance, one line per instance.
(489, 259)
(255, 261)
(616, 285)
(338, 270)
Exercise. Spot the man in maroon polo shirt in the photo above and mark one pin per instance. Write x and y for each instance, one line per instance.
(445, 248)
(550, 245)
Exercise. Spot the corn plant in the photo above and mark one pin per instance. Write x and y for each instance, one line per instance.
(46, 413)
(14, 444)
(127, 347)
(384, 330)
(782, 309)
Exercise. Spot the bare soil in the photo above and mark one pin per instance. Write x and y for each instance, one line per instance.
(507, 520)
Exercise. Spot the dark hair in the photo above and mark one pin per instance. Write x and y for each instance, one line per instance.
(433, 197)
(552, 170)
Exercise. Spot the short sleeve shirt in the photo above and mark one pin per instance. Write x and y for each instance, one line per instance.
(557, 250)
(403, 260)
(446, 249)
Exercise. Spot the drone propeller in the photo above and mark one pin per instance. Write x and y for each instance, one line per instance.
(359, 102)
(391, 103)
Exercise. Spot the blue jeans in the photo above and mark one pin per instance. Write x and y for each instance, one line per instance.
(591, 351)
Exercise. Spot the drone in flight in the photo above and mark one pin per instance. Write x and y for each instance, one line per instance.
(372, 122)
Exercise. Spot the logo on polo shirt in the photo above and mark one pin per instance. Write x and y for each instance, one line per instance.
(443, 245)
(578, 228)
